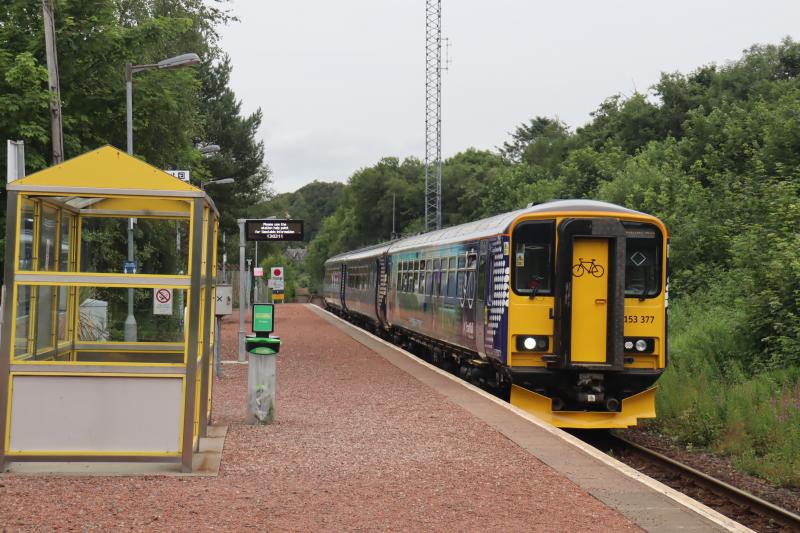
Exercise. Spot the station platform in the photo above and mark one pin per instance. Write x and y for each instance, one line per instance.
(367, 438)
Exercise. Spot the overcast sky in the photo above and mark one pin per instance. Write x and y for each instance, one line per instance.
(341, 83)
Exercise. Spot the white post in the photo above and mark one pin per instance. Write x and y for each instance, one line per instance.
(242, 306)
(217, 342)
(15, 161)
(261, 389)
(15, 169)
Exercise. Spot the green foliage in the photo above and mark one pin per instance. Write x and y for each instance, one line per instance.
(706, 399)
(172, 108)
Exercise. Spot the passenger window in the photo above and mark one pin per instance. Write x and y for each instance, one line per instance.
(451, 284)
(533, 257)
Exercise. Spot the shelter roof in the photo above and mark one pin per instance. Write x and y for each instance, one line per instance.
(106, 170)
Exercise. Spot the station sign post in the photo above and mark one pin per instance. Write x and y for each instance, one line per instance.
(268, 229)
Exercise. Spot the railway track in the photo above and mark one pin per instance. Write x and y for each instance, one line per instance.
(745, 508)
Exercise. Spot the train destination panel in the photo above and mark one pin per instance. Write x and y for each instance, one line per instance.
(274, 229)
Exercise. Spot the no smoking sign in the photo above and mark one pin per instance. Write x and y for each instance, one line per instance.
(162, 301)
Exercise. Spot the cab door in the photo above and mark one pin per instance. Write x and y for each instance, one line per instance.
(589, 300)
(590, 294)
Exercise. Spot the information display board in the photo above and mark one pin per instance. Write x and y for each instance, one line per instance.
(274, 229)
(263, 318)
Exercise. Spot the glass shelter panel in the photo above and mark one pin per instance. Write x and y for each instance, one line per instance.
(103, 310)
(161, 246)
(26, 235)
(48, 246)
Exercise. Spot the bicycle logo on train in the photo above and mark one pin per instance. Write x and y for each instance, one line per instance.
(590, 267)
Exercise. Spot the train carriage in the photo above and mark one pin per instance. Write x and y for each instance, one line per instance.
(559, 307)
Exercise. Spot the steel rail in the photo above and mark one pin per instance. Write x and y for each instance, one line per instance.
(745, 499)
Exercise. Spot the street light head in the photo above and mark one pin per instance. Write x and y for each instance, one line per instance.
(183, 60)
(223, 181)
(209, 149)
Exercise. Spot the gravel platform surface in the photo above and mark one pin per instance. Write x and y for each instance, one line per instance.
(359, 445)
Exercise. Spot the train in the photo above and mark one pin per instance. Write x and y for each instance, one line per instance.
(560, 308)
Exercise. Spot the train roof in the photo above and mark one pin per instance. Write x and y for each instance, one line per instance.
(478, 229)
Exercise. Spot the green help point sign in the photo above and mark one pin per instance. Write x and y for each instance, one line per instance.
(263, 318)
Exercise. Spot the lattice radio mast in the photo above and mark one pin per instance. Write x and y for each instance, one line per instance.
(433, 114)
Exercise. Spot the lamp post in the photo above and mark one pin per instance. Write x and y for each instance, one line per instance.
(184, 60)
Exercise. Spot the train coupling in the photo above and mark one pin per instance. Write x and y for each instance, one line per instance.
(592, 390)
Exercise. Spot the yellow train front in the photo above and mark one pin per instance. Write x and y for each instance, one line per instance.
(587, 313)
(559, 307)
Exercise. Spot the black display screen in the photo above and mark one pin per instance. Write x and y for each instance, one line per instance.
(274, 229)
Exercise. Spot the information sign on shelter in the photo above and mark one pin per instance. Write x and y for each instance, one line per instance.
(273, 229)
(183, 175)
(162, 301)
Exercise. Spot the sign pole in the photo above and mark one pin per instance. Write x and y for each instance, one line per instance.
(242, 307)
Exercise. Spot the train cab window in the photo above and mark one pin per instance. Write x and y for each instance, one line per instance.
(532, 260)
(643, 260)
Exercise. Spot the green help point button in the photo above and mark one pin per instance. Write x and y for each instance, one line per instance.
(263, 318)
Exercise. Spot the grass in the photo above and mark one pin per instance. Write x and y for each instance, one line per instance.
(706, 399)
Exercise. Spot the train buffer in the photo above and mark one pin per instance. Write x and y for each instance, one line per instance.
(368, 437)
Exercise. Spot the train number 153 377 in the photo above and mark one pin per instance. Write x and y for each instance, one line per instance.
(640, 319)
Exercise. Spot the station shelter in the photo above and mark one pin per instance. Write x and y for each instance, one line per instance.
(74, 385)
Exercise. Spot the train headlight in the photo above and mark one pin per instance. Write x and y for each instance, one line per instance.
(529, 343)
(532, 343)
(639, 345)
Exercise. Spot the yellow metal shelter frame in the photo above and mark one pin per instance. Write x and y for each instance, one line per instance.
(69, 395)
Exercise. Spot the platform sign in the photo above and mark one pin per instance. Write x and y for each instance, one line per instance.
(276, 284)
(276, 272)
(183, 175)
(162, 301)
(263, 316)
(258, 272)
(274, 229)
